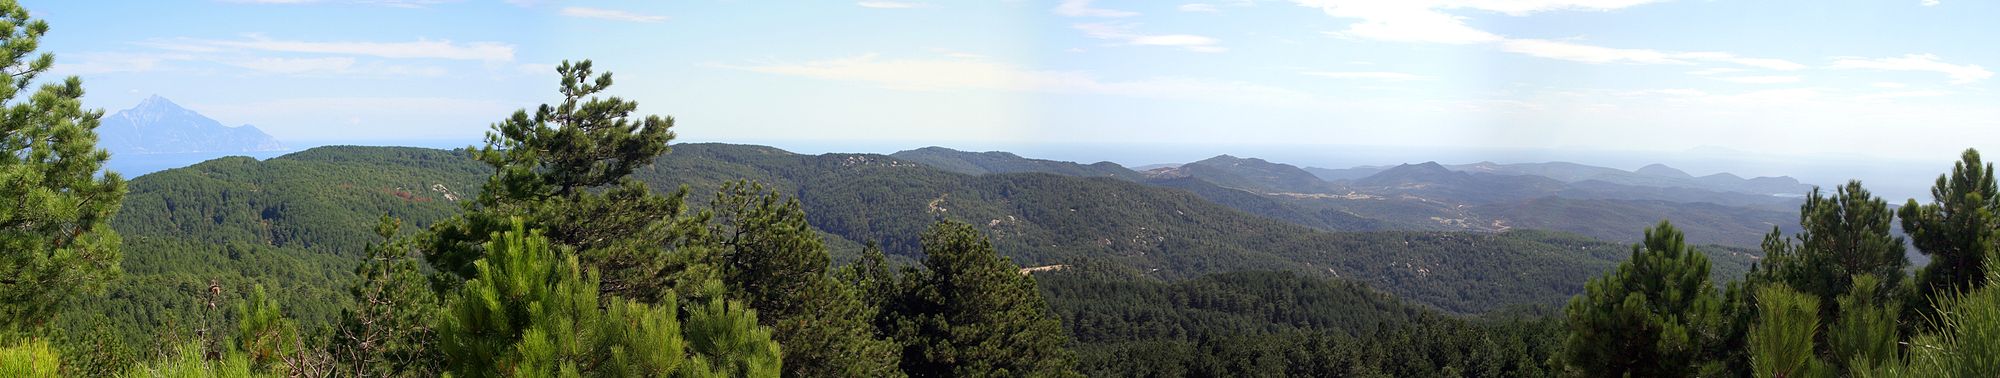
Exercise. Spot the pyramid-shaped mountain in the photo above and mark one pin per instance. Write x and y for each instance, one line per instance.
(158, 126)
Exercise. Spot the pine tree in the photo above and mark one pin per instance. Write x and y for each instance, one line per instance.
(1844, 235)
(1968, 340)
(565, 168)
(972, 313)
(1955, 230)
(55, 242)
(263, 332)
(1781, 344)
(392, 329)
(1657, 315)
(775, 262)
(727, 342)
(1865, 336)
(533, 310)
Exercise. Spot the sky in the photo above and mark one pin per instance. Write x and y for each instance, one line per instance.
(1896, 80)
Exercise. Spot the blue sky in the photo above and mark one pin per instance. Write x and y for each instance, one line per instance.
(1894, 79)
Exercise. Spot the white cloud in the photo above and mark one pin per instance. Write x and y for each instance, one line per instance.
(963, 74)
(1427, 21)
(1123, 33)
(1960, 74)
(1680, 92)
(1714, 71)
(1761, 79)
(879, 4)
(297, 65)
(611, 14)
(1082, 8)
(1930, 3)
(1371, 75)
(1586, 53)
(387, 3)
(1601, 55)
(1400, 21)
(1196, 7)
(101, 62)
(419, 49)
(1902, 94)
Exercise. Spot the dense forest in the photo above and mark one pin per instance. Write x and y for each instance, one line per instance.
(579, 241)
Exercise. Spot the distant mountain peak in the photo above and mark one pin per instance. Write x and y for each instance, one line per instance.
(1425, 172)
(1428, 167)
(1662, 170)
(158, 125)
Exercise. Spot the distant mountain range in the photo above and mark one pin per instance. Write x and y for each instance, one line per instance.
(158, 126)
(1600, 202)
(1655, 175)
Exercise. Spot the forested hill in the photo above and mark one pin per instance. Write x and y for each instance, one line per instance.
(297, 224)
(323, 200)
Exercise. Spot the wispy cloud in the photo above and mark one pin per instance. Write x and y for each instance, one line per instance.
(1370, 75)
(1196, 7)
(297, 65)
(114, 62)
(881, 4)
(611, 14)
(1601, 55)
(418, 49)
(1930, 3)
(1399, 21)
(1903, 94)
(1761, 79)
(1959, 73)
(1427, 21)
(1715, 71)
(387, 3)
(1082, 8)
(1124, 34)
(968, 74)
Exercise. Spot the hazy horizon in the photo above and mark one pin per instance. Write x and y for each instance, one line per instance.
(1868, 80)
(1894, 180)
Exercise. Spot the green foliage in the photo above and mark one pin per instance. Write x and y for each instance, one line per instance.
(263, 332)
(1865, 336)
(1280, 324)
(33, 359)
(565, 169)
(55, 241)
(1657, 315)
(1845, 235)
(1781, 343)
(391, 329)
(1956, 230)
(1967, 338)
(1043, 219)
(775, 262)
(727, 342)
(972, 313)
(189, 361)
(531, 309)
(583, 142)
